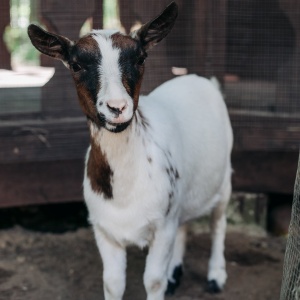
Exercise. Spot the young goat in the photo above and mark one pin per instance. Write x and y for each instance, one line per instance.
(150, 167)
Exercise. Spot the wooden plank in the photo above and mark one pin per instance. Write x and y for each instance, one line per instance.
(43, 140)
(263, 131)
(264, 172)
(41, 182)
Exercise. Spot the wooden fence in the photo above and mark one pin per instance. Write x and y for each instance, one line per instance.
(41, 153)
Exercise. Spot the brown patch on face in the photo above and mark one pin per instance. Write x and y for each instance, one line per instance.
(99, 172)
(136, 93)
(85, 100)
(131, 64)
(86, 54)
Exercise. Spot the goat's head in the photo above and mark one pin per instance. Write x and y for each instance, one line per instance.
(107, 66)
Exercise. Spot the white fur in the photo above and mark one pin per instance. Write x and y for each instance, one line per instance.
(189, 129)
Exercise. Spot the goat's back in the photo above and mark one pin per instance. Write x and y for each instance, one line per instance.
(190, 120)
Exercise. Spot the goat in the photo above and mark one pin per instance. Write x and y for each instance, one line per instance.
(154, 162)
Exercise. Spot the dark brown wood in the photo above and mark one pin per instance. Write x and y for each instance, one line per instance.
(41, 182)
(259, 131)
(288, 87)
(97, 21)
(264, 172)
(5, 62)
(48, 140)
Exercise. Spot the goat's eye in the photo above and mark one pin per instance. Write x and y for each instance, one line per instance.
(76, 67)
(141, 60)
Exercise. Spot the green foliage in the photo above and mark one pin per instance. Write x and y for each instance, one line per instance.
(18, 44)
(24, 12)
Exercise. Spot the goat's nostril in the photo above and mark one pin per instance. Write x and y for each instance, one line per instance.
(116, 108)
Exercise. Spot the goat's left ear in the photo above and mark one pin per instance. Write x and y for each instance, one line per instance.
(51, 44)
(154, 31)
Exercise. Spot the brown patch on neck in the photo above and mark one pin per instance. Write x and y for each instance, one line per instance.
(99, 172)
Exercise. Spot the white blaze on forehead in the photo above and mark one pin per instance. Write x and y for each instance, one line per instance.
(112, 87)
(110, 55)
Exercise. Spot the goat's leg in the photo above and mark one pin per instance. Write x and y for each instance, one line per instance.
(114, 266)
(216, 269)
(175, 266)
(158, 259)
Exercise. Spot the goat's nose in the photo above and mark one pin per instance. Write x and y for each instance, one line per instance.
(116, 106)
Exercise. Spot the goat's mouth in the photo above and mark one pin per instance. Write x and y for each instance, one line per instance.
(112, 126)
(116, 127)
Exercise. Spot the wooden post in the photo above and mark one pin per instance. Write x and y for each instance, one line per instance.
(288, 87)
(5, 62)
(98, 15)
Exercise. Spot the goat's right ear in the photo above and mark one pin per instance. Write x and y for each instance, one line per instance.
(51, 44)
(154, 31)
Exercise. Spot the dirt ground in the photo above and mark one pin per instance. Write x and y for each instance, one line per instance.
(38, 265)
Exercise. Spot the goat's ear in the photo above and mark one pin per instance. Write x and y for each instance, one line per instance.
(51, 44)
(154, 31)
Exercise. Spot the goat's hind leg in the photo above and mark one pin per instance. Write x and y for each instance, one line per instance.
(216, 269)
(175, 266)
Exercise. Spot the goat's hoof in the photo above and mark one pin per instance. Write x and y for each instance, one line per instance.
(170, 288)
(174, 284)
(213, 287)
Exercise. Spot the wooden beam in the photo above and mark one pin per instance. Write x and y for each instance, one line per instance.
(41, 182)
(43, 140)
(264, 172)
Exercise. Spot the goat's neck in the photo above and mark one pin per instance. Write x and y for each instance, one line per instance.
(120, 146)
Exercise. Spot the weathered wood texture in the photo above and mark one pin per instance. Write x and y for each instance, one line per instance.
(48, 140)
(259, 131)
(4, 21)
(265, 172)
(41, 183)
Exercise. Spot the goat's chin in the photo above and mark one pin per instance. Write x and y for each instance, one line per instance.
(116, 127)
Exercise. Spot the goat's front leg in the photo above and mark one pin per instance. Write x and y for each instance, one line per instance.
(158, 259)
(114, 266)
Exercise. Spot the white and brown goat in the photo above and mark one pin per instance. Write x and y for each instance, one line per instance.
(154, 162)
